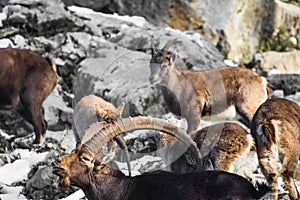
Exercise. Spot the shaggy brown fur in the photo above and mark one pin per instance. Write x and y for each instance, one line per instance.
(227, 145)
(26, 79)
(276, 130)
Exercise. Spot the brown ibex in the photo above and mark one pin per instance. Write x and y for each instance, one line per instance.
(276, 131)
(193, 94)
(227, 145)
(87, 168)
(26, 79)
(91, 109)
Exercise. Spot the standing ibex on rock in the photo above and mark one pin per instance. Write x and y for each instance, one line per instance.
(26, 79)
(193, 94)
(227, 145)
(91, 109)
(276, 131)
(87, 168)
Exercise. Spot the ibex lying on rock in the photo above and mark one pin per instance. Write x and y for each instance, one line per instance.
(91, 109)
(87, 168)
(276, 130)
(193, 94)
(26, 79)
(227, 145)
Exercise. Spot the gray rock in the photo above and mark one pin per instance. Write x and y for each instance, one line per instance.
(153, 11)
(289, 83)
(192, 48)
(30, 17)
(56, 112)
(117, 74)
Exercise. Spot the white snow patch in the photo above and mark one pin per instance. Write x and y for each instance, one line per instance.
(16, 196)
(18, 170)
(6, 43)
(3, 16)
(75, 196)
(274, 71)
(87, 13)
(230, 63)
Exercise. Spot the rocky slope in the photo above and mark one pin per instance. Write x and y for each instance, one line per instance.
(108, 54)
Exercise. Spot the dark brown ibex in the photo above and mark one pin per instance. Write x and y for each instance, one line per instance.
(276, 130)
(26, 79)
(91, 109)
(227, 145)
(193, 94)
(87, 168)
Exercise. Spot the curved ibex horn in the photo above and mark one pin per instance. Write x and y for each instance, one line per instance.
(99, 134)
(122, 143)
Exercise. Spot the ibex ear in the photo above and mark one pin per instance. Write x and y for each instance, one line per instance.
(102, 112)
(107, 158)
(172, 58)
(120, 109)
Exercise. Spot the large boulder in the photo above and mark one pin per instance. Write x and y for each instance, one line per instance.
(240, 23)
(116, 74)
(285, 62)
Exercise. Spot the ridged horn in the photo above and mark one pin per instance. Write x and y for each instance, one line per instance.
(99, 134)
(122, 143)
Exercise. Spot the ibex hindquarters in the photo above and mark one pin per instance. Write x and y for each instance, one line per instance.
(199, 93)
(276, 130)
(26, 80)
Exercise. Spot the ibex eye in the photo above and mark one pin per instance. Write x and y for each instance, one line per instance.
(85, 159)
(163, 66)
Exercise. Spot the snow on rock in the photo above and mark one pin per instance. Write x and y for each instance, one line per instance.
(18, 170)
(6, 43)
(142, 165)
(75, 196)
(90, 14)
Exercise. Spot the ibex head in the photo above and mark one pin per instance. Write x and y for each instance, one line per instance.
(87, 162)
(161, 63)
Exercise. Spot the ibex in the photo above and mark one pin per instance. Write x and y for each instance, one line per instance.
(87, 168)
(26, 79)
(276, 131)
(227, 145)
(193, 94)
(91, 109)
